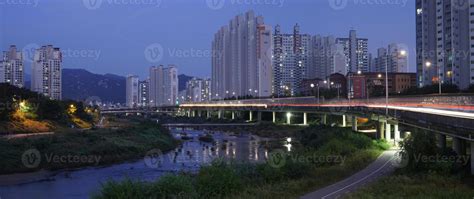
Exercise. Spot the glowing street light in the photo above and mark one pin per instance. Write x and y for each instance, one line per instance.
(403, 52)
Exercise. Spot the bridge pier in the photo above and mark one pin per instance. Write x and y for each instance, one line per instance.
(344, 122)
(472, 157)
(324, 119)
(441, 141)
(288, 118)
(396, 132)
(199, 113)
(380, 130)
(305, 118)
(274, 117)
(259, 116)
(250, 116)
(219, 114)
(233, 115)
(388, 131)
(354, 123)
(208, 113)
(459, 146)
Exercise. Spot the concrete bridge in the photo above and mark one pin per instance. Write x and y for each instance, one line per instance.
(448, 116)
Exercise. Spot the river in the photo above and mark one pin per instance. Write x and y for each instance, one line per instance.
(84, 182)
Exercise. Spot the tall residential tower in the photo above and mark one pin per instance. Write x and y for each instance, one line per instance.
(46, 72)
(11, 67)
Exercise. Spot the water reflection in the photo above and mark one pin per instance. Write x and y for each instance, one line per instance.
(190, 156)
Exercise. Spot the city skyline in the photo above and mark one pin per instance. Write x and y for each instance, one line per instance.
(201, 21)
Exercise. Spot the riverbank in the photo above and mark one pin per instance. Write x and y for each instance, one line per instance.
(321, 156)
(72, 148)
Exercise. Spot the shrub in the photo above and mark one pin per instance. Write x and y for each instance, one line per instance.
(123, 190)
(175, 186)
(217, 180)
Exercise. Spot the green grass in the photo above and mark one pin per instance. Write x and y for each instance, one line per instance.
(289, 180)
(416, 186)
(110, 145)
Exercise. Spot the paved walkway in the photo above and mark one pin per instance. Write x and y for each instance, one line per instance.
(382, 166)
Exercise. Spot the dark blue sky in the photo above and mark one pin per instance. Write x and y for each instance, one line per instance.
(112, 37)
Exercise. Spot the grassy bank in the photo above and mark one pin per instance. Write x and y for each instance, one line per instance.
(324, 155)
(430, 172)
(417, 186)
(110, 145)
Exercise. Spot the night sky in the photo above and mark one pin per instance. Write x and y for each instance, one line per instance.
(112, 37)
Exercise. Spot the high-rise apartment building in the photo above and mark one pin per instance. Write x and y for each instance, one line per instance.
(356, 52)
(292, 57)
(132, 91)
(143, 93)
(445, 42)
(163, 85)
(395, 59)
(241, 59)
(11, 67)
(46, 72)
(198, 90)
(328, 58)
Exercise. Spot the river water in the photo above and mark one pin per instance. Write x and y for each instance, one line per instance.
(190, 156)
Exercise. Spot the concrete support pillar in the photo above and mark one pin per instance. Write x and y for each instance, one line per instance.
(259, 116)
(472, 158)
(274, 117)
(441, 140)
(194, 113)
(305, 118)
(396, 132)
(233, 115)
(458, 146)
(324, 119)
(344, 122)
(388, 132)
(199, 113)
(250, 116)
(208, 113)
(288, 118)
(354, 123)
(219, 114)
(380, 130)
(189, 113)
